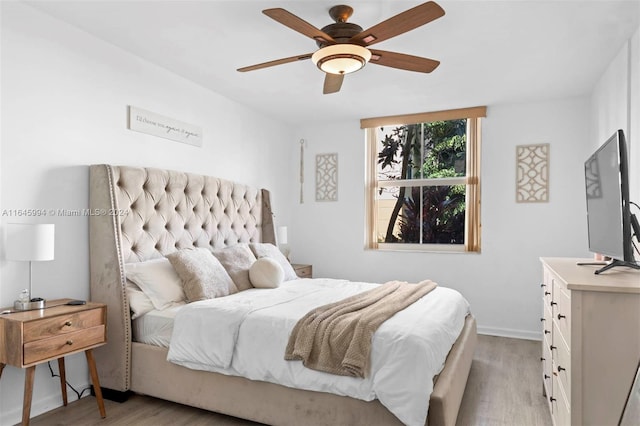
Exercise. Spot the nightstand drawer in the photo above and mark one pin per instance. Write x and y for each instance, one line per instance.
(62, 324)
(53, 347)
(303, 271)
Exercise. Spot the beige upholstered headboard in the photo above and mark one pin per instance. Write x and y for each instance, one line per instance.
(144, 213)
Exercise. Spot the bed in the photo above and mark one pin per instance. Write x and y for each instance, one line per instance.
(145, 213)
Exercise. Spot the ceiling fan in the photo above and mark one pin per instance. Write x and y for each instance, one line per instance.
(344, 46)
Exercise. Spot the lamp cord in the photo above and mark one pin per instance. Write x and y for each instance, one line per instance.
(79, 394)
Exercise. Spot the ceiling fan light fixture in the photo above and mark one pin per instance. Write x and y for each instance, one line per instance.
(341, 58)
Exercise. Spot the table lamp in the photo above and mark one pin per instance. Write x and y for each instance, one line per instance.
(29, 242)
(282, 241)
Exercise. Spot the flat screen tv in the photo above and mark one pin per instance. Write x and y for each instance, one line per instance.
(610, 222)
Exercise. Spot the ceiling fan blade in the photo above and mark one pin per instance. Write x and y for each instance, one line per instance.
(401, 23)
(403, 61)
(276, 62)
(298, 24)
(332, 83)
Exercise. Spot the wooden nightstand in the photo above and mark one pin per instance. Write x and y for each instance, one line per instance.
(303, 271)
(29, 338)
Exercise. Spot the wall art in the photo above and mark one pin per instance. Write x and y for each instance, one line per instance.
(327, 177)
(154, 124)
(532, 173)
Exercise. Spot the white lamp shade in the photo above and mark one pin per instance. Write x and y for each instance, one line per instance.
(29, 241)
(282, 235)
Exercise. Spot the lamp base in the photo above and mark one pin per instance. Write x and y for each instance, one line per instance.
(28, 306)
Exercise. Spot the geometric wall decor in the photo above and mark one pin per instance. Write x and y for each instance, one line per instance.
(532, 173)
(327, 177)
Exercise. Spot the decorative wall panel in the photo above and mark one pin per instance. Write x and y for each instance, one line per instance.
(327, 177)
(532, 173)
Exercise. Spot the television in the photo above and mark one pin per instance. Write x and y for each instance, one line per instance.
(611, 225)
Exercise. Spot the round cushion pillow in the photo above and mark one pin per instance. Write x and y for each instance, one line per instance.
(266, 273)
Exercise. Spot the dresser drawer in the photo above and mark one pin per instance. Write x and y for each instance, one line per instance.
(562, 312)
(53, 347)
(562, 365)
(62, 324)
(547, 365)
(560, 408)
(303, 271)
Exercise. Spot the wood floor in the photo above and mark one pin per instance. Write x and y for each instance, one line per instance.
(504, 388)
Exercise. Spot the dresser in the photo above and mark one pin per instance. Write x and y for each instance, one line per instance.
(29, 338)
(591, 340)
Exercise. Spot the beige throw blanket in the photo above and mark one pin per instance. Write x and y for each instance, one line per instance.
(336, 338)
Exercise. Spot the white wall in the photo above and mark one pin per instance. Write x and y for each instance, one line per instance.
(64, 99)
(501, 283)
(615, 104)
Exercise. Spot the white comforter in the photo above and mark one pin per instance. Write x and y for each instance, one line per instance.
(246, 334)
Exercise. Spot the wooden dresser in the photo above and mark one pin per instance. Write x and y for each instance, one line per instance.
(591, 340)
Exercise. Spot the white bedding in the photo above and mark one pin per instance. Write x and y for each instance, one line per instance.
(155, 327)
(245, 334)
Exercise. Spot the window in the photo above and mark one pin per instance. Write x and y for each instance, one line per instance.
(423, 181)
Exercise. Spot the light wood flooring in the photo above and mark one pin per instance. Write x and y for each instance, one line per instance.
(504, 388)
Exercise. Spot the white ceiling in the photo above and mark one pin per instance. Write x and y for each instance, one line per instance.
(491, 52)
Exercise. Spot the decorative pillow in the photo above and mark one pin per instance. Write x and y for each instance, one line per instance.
(203, 277)
(139, 303)
(158, 280)
(269, 250)
(266, 273)
(237, 260)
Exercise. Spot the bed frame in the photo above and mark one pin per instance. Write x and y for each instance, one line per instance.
(146, 213)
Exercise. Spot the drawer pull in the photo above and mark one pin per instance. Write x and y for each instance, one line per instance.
(547, 332)
(554, 303)
(547, 376)
(560, 316)
(546, 293)
(560, 368)
(551, 347)
(542, 319)
(68, 323)
(552, 399)
(543, 285)
(69, 342)
(541, 358)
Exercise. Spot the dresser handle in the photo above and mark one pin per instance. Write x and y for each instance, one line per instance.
(543, 285)
(547, 332)
(69, 342)
(560, 316)
(546, 293)
(542, 319)
(68, 323)
(551, 399)
(547, 377)
(541, 358)
(551, 347)
(561, 369)
(554, 303)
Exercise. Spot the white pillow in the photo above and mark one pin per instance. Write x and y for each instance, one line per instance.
(269, 250)
(266, 273)
(139, 303)
(158, 280)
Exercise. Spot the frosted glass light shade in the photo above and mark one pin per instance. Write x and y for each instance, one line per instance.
(282, 235)
(29, 241)
(341, 58)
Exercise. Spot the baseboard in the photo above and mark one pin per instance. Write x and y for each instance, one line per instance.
(509, 332)
(40, 406)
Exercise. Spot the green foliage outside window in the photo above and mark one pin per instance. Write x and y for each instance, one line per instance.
(426, 214)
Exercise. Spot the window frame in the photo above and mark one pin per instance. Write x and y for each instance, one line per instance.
(471, 180)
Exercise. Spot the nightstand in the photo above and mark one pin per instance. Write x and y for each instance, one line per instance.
(303, 271)
(29, 338)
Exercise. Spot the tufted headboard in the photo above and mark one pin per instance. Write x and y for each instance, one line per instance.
(139, 214)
